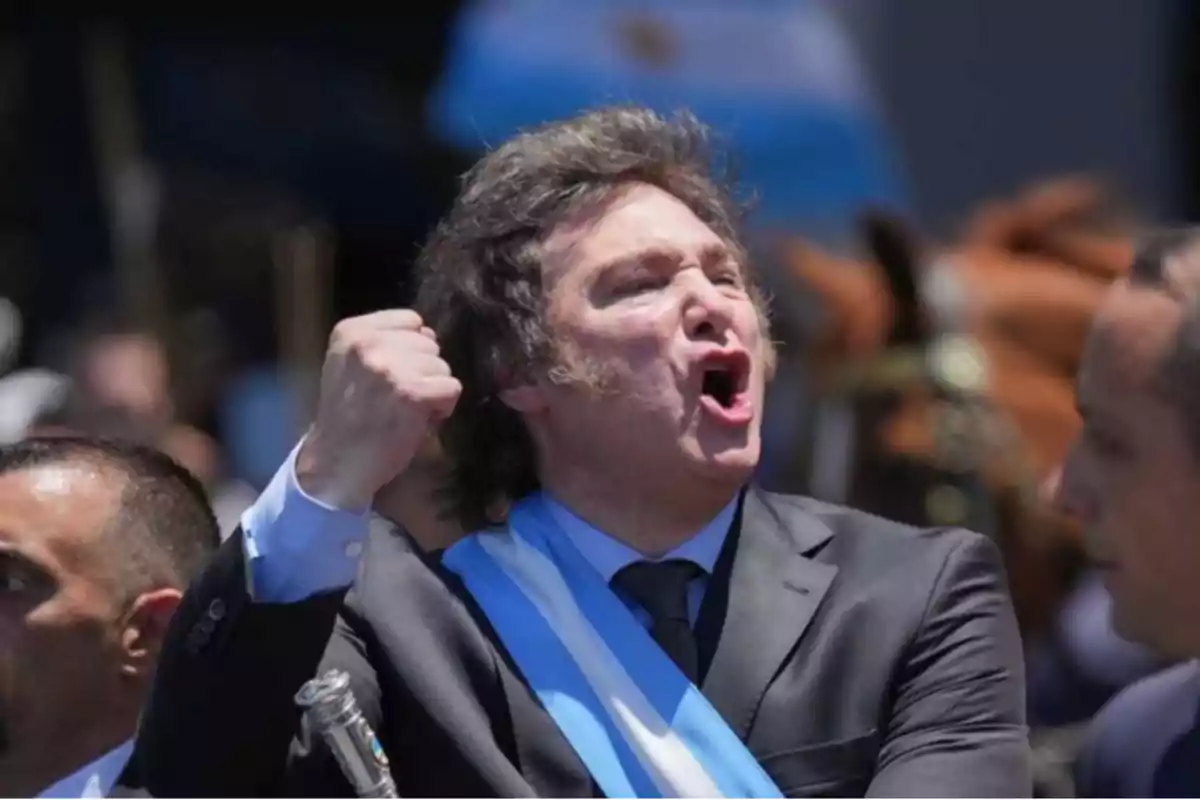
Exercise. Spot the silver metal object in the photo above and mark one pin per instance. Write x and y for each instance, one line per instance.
(333, 713)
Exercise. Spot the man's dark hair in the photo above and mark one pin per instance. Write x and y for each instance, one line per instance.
(164, 531)
(1169, 261)
(481, 273)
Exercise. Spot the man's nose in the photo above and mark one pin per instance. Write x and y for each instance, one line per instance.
(707, 312)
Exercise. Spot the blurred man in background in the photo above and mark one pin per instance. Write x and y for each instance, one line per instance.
(97, 542)
(1133, 479)
(117, 384)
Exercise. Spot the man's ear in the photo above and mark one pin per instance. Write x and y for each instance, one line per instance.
(144, 630)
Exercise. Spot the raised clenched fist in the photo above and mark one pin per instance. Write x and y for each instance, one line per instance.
(384, 387)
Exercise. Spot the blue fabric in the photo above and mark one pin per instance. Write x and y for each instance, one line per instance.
(779, 81)
(94, 779)
(296, 546)
(562, 687)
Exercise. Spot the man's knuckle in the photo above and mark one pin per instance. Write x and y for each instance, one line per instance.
(402, 387)
(426, 345)
(437, 368)
(373, 358)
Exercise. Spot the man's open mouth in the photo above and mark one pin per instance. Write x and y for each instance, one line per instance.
(721, 385)
(726, 378)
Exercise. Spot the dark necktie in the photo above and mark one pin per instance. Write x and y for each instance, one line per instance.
(660, 587)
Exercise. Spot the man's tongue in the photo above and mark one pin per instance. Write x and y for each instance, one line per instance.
(719, 385)
(721, 399)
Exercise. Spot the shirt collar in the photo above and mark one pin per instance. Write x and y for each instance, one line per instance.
(609, 555)
(95, 779)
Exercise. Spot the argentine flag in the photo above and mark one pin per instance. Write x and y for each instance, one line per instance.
(778, 79)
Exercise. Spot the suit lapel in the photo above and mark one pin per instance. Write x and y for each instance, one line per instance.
(544, 757)
(774, 590)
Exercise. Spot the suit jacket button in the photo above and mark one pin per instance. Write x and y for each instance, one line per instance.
(216, 609)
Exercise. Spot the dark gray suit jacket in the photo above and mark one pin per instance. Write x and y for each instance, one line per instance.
(1146, 741)
(852, 654)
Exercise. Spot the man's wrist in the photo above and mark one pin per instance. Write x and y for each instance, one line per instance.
(297, 545)
(321, 477)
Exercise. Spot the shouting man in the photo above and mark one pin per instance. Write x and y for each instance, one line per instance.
(626, 615)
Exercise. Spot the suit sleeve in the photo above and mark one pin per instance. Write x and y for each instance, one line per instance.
(312, 770)
(221, 717)
(957, 727)
(256, 625)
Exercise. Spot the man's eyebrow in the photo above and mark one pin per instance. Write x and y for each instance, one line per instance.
(716, 252)
(709, 254)
(637, 258)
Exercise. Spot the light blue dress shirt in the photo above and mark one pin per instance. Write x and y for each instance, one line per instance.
(296, 546)
(609, 555)
(95, 779)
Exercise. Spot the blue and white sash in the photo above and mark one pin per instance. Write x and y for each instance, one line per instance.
(641, 727)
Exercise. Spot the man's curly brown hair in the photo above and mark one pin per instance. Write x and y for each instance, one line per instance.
(481, 286)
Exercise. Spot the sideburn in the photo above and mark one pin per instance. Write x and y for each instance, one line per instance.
(575, 369)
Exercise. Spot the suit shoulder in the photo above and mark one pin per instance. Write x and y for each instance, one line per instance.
(1132, 735)
(1149, 703)
(868, 530)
